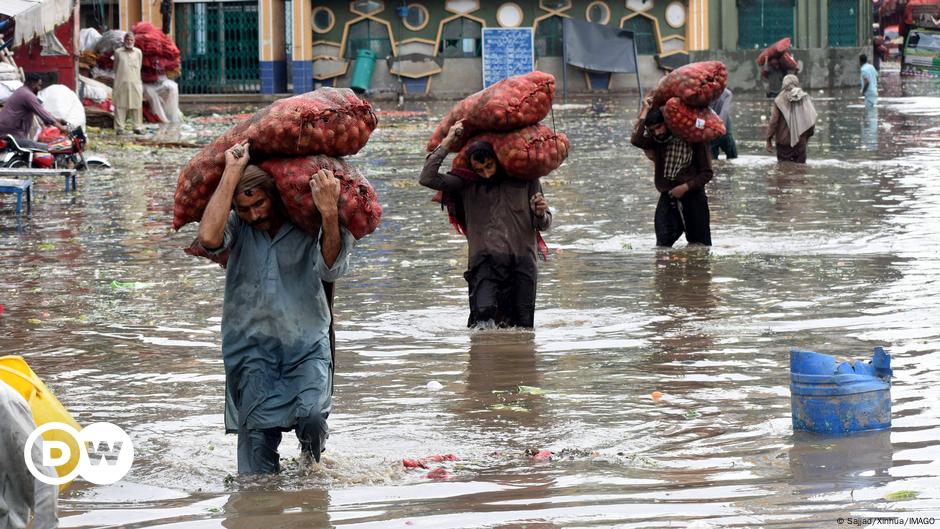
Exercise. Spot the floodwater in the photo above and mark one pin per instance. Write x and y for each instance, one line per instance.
(838, 256)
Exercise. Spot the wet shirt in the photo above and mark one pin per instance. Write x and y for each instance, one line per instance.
(870, 74)
(16, 118)
(500, 221)
(20, 493)
(275, 322)
(696, 171)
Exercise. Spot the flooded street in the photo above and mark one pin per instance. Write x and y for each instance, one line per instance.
(838, 256)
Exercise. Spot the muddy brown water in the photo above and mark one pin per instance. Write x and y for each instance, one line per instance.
(838, 256)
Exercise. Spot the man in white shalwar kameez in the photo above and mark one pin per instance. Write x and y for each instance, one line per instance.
(128, 88)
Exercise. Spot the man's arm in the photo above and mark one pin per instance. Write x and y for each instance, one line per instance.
(640, 138)
(772, 128)
(36, 106)
(212, 226)
(325, 189)
(702, 159)
(17, 420)
(541, 213)
(431, 176)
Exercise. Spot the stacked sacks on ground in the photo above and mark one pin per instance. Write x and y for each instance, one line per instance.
(159, 53)
(292, 139)
(684, 95)
(507, 115)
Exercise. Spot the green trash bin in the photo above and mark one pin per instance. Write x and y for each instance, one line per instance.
(362, 73)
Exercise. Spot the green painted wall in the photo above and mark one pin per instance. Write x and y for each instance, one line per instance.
(810, 27)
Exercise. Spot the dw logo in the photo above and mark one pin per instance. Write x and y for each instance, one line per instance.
(105, 453)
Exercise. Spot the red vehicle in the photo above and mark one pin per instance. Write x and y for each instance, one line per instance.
(54, 149)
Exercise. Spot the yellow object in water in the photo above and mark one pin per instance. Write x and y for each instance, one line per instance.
(45, 407)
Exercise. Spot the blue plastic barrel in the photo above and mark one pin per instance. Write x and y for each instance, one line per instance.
(362, 72)
(838, 398)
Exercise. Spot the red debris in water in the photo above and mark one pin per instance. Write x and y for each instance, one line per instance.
(1, 308)
(543, 455)
(413, 463)
(442, 458)
(438, 473)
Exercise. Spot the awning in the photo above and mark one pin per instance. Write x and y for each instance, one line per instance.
(35, 17)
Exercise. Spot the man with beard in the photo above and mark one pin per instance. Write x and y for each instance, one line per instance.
(276, 315)
(682, 170)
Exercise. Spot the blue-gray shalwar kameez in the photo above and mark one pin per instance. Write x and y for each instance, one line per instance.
(275, 340)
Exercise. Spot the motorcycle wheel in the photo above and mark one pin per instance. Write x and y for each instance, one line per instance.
(17, 164)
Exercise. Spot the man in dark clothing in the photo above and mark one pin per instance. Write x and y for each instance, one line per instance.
(501, 218)
(16, 118)
(682, 170)
(722, 107)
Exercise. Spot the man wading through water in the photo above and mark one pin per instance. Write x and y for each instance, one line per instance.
(682, 170)
(501, 218)
(276, 315)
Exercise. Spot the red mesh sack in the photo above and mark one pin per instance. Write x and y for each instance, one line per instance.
(49, 135)
(327, 121)
(787, 62)
(159, 52)
(510, 104)
(697, 84)
(359, 208)
(694, 125)
(774, 50)
(528, 153)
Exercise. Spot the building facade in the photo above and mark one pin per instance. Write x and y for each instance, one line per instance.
(434, 46)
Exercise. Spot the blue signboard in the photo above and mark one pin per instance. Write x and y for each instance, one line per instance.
(507, 52)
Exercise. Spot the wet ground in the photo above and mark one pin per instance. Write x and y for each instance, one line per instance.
(838, 256)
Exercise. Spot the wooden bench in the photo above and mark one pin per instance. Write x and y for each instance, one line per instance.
(69, 174)
(18, 187)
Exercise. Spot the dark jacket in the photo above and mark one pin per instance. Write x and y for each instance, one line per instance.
(499, 220)
(696, 174)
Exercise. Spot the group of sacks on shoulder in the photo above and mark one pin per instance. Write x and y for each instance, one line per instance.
(294, 138)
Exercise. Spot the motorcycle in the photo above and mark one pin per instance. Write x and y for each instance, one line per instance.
(55, 149)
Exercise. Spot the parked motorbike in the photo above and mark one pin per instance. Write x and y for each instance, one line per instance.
(55, 149)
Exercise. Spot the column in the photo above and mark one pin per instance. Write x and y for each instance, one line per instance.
(130, 13)
(302, 45)
(272, 59)
(697, 26)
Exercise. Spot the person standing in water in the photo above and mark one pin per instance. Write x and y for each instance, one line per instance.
(792, 122)
(502, 218)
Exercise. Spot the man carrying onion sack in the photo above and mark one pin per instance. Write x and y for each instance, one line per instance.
(275, 317)
(682, 170)
(501, 218)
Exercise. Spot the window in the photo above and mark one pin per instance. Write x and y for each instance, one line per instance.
(509, 15)
(644, 34)
(461, 38)
(323, 19)
(554, 5)
(416, 17)
(763, 22)
(366, 7)
(548, 41)
(368, 34)
(597, 12)
(842, 23)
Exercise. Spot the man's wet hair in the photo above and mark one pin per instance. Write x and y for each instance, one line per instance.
(480, 152)
(654, 117)
(863, 59)
(33, 78)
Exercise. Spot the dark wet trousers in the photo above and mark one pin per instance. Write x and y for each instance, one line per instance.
(725, 143)
(502, 290)
(257, 448)
(693, 219)
(786, 153)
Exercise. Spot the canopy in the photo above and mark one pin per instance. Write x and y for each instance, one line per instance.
(35, 17)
